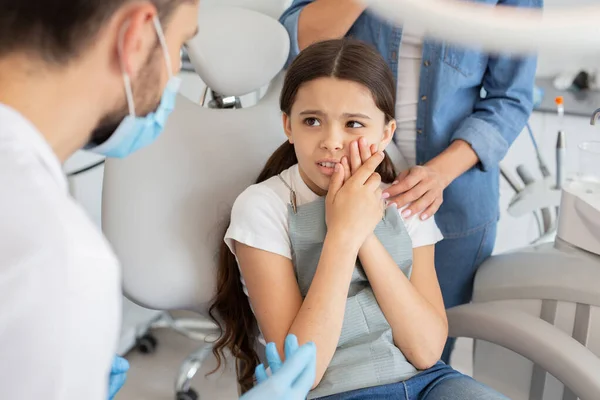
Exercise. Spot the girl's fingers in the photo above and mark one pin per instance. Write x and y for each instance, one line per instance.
(365, 150)
(346, 166)
(355, 160)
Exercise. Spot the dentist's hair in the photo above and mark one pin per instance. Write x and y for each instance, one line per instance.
(344, 59)
(59, 30)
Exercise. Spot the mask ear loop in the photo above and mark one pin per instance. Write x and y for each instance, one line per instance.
(161, 38)
(126, 79)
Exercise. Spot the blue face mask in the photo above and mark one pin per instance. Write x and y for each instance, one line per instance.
(133, 132)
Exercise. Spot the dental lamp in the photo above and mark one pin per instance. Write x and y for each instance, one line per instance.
(499, 28)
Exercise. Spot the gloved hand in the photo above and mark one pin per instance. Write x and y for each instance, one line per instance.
(290, 380)
(118, 374)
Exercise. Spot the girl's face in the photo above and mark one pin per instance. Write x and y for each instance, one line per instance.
(328, 114)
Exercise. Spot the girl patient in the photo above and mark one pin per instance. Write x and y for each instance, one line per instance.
(312, 249)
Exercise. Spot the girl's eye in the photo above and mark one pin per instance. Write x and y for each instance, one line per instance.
(354, 124)
(312, 122)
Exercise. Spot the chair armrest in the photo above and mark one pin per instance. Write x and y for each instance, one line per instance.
(550, 348)
(540, 272)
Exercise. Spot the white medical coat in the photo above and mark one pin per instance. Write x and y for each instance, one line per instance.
(60, 294)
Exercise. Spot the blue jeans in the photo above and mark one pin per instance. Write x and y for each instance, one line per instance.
(456, 262)
(439, 382)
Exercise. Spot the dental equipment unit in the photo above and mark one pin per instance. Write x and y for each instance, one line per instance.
(544, 195)
(561, 146)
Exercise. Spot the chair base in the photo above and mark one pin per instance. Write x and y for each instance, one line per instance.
(201, 329)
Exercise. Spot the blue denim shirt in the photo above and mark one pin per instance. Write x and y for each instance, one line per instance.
(453, 106)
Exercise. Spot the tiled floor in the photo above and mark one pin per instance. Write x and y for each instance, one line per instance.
(152, 377)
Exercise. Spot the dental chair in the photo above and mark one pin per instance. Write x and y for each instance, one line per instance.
(536, 311)
(164, 208)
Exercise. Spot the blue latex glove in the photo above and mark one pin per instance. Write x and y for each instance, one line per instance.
(290, 380)
(118, 374)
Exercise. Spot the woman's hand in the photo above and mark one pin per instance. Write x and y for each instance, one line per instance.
(422, 187)
(354, 206)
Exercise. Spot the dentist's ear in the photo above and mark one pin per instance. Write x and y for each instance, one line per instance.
(136, 37)
(287, 127)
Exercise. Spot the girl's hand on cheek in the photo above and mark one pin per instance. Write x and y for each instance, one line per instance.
(360, 152)
(355, 207)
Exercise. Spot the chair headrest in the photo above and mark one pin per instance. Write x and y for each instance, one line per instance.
(238, 51)
(272, 8)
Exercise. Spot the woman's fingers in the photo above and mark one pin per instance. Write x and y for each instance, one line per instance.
(405, 182)
(432, 209)
(419, 205)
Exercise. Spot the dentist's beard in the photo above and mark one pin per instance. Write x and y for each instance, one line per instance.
(144, 96)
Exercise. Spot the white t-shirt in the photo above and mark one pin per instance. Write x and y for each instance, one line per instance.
(60, 293)
(259, 217)
(410, 56)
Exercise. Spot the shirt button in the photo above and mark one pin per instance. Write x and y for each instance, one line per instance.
(419, 131)
(424, 98)
(394, 55)
(427, 63)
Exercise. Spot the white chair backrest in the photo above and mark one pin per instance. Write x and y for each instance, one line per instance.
(165, 207)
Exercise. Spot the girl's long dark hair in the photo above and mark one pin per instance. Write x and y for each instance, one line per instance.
(345, 59)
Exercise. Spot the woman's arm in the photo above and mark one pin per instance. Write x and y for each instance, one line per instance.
(326, 19)
(414, 308)
(278, 305)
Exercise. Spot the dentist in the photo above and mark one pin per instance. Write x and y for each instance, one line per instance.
(95, 74)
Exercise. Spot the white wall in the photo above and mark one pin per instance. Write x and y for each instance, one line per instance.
(552, 64)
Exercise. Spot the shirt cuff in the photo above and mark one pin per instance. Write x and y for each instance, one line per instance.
(251, 240)
(487, 142)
